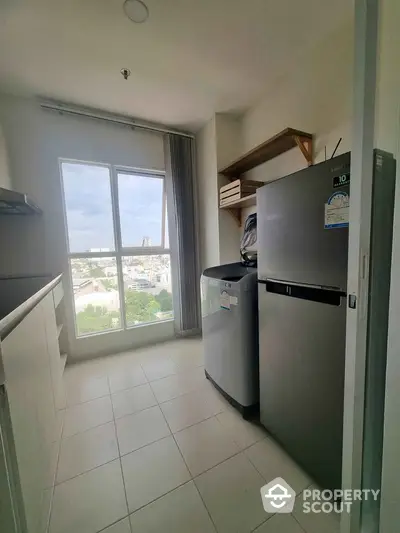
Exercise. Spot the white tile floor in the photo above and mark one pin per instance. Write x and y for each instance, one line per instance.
(148, 445)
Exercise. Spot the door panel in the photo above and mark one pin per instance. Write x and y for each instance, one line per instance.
(302, 348)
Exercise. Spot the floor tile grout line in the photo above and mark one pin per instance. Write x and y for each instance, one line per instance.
(231, 438)
(120, 459)
(249, 459)
(261, 474)
(195, 424)
(87, 429)
(95, 467)
(262, 523)
(161, 496)
(300, 525)
(141, 448)
(147, 504)
(54, 484)
(147, 382)
(86, 471)
(205, 506)
(275, 514)
(154, 394)
(190, 473)
(86, 401)
(116, 522)
(162, 438)
(180, 395)
(292, 513)
(159, 404)
(209, 418)
(190, 369)
(129, 388)
(192, 478)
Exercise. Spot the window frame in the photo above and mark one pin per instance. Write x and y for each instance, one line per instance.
(153, 175)
(119, 251)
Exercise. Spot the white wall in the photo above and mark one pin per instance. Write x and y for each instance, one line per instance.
(218, 143)
(229, 145)
(315, 97)
(35, 140)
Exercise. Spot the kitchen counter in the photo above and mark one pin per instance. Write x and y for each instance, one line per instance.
(12, 319)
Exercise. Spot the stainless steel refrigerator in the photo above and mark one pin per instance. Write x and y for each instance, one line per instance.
(302, 271)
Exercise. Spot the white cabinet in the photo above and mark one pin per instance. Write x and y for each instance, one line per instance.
(58, 293)
(52, 336)
(32, 411)
(30, 357)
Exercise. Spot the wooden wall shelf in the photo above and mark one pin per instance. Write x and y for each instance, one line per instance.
(246, 201)
(235, 208)
(282, 142)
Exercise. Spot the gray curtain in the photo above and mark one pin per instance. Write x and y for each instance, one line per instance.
(182, 218)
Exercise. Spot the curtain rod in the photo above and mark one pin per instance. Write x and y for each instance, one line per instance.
(117, 119)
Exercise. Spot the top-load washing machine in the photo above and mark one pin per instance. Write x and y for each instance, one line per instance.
(230, 333)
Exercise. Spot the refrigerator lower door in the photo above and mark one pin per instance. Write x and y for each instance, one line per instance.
(302, 351)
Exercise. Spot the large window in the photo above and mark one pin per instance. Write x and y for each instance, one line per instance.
(118, 246)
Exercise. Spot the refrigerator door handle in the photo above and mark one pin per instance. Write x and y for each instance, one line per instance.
(304, 292)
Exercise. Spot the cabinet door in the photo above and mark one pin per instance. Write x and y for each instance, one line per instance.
(11, 510)
(29, 389)
(49, 315)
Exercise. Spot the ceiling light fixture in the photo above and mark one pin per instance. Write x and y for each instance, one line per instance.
(136, 11)
(125, 73)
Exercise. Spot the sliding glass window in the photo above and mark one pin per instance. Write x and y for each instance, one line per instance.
(118, 246)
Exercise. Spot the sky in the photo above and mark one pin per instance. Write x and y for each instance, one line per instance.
(89, 212)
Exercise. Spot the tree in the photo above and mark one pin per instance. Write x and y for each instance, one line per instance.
(164, 298)
(96, 272)
(140, 307)
(93, 319)
(109, 284)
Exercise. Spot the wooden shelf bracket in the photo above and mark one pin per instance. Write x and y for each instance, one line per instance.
(306, 147)
(236, 214)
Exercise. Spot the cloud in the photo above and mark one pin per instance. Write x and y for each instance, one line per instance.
(89, 212)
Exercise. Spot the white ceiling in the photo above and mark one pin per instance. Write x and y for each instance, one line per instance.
(190, 59)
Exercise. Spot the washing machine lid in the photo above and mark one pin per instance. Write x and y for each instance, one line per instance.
(229, 272)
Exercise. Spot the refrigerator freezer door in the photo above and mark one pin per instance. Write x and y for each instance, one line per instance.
(302, 348)
(293, 243)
